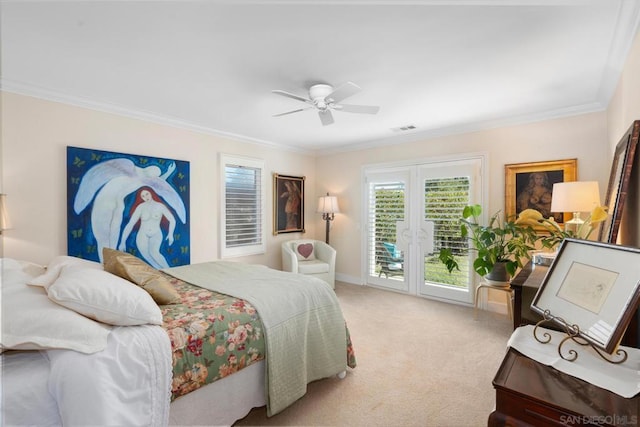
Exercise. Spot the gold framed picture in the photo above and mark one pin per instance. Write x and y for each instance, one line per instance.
(530, 186)
(288, 204)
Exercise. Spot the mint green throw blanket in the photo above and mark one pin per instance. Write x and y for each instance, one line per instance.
(304, 328)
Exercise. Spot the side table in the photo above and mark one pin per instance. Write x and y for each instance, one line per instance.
(504, 288)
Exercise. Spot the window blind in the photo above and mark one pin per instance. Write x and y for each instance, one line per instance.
(242, 206)
(243, 190)
(444, 200)
(386, 207)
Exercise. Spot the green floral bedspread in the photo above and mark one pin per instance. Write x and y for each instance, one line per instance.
(213, 335)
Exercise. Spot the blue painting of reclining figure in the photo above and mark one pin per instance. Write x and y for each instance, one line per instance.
(132, 203)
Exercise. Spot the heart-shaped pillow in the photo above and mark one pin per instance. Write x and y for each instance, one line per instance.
(304, 251)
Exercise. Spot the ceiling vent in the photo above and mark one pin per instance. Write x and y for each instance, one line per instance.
(403, 128)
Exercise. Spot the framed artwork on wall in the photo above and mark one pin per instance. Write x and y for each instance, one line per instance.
(618, 187)
(133, 203)
(530, 186)
(288, 204)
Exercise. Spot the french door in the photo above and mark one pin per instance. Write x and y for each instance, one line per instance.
(411, 212)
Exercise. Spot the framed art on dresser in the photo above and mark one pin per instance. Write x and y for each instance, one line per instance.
(592, 289)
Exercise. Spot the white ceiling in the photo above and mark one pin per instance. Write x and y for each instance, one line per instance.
(442, 66)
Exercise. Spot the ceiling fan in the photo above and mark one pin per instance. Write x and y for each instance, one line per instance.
(325, 98)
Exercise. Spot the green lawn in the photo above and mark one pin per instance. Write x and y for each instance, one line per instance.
(435, 271)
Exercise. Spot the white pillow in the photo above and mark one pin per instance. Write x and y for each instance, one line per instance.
(304, 251)
(104, 297)
(56, 264)
(30, 321)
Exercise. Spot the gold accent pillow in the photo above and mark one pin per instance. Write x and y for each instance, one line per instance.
(142, 274)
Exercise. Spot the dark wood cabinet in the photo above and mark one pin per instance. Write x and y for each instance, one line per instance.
(529, 393)
(525, 285)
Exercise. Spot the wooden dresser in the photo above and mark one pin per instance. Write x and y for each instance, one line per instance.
(529, 393)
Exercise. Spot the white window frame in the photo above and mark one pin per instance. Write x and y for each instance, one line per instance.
(258, 248)
(392, 167)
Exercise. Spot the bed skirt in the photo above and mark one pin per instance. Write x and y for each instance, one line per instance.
(223, 402)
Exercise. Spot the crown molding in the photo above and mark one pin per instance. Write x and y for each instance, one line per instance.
(477, 126)
(147, 116)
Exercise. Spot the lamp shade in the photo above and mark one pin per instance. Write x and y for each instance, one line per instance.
(576, 196)
(328, 204)
(4, 214)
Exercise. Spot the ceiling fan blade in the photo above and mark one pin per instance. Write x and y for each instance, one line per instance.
(291, 95)
(325, 117)
(291, 112)
(344, 91)
(362, 109)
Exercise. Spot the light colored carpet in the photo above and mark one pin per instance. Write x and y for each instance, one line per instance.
(420, 363)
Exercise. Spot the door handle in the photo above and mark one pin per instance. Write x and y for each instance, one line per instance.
(425, 236)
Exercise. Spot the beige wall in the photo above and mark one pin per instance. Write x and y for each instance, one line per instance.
(35, 134)
(583, 137)
(624, 108)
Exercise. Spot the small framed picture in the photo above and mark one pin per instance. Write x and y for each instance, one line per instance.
(288, 204)
(594, 287)
(530, 186)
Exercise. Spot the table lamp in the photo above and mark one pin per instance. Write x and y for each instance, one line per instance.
(576, 197)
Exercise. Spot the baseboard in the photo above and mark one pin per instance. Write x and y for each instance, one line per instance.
(491, 305)
(353, 280)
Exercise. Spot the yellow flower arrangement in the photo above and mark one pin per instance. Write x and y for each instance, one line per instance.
(533, 218)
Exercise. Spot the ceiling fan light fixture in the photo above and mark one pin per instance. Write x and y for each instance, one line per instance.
(320, 91)
(325, 98)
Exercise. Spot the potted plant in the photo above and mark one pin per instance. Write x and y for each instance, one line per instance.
(500, 246)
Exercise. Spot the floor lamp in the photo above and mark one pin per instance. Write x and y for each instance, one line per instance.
(328, 207)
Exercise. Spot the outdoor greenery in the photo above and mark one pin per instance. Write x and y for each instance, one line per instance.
(506, 240)
(389, 209)
(442, 198)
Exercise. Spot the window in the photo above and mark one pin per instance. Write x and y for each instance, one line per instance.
(242, 207)
(386, 208)
(412, 210)
(444, 200)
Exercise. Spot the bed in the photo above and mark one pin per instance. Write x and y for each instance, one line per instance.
(206, 358)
